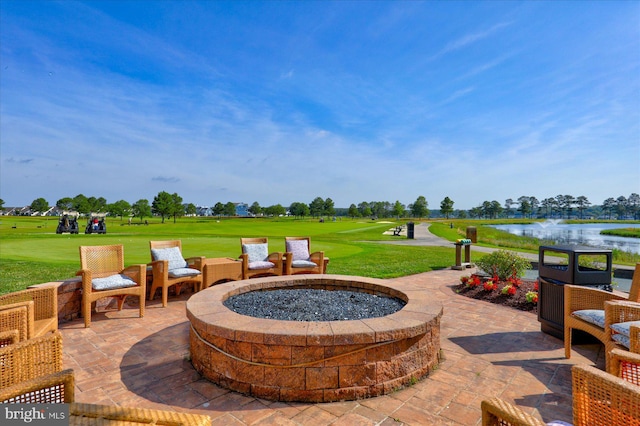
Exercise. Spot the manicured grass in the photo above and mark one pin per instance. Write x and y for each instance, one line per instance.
(31, 252)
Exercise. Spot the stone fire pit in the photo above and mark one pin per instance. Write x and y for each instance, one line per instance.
(314, 361)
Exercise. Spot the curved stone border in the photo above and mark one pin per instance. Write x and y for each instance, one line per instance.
(314, 361)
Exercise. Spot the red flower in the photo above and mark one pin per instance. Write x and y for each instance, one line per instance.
(535, 285)
(512, 290)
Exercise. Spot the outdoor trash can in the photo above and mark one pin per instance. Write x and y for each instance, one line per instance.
(410, 230)
(561, 265)
(472, 234)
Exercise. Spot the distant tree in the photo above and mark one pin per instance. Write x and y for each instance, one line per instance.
(229, 209)
(419, 208)
(621, 206)
(496, 209)
(191, 209)
(316, 207)
(177, 208)
(525, 206)
(97, 205)
(380, 208)
(65, 203)
(608, 205)
(39, 205)
(365, 209)
(507, 206)
(476, 212)
(329, 208)
(218, 209)
(255, 209)
(1, 204)
(353, 211)
(582, 202)
(162, 205)
(535, 205)
(299, 209)
(398, 209)
(634, 205)
(275, 210)
(81, 204)
(119, 208)
(446, 207)
(462, 214)
(141, 209)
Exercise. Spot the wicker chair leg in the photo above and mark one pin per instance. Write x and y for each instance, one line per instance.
(567, 342)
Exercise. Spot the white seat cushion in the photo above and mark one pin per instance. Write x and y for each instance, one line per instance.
(183, 272)
(256, 252)
(112, 282)
(172, 254)
(620, 332)
(593, 316)
(260, 264)
(303, 264)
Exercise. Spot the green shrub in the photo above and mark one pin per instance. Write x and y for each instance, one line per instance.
(504, 264)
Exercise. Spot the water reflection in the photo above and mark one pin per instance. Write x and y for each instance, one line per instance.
(582, 234)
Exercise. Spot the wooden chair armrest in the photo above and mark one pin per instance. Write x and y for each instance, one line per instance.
(195, 262)
(496, 412)
(56, 388)
(9, 337)
(634, 339)
(616, 311)
(137, 273)
(275, 257)
(160, 267)
(579, 297)
(17, 317)
(317, 255)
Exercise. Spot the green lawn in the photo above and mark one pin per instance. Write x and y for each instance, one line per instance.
(31, 252)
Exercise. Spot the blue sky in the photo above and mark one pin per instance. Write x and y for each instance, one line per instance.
(285, 101)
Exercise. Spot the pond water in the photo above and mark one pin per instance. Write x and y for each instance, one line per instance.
(581, 234)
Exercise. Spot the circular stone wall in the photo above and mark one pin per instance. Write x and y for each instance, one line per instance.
(314, 361)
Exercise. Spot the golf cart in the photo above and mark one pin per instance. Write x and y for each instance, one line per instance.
(96, 224)
(68, 223)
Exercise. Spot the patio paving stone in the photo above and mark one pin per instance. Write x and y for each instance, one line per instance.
(488, 350)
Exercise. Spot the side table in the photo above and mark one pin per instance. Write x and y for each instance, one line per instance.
(220, 268)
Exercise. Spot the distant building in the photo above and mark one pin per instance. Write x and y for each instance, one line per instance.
(242, 209)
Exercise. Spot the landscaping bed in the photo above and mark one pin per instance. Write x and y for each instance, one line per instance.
(518, 299)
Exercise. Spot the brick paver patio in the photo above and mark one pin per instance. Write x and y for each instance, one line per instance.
(489, 350)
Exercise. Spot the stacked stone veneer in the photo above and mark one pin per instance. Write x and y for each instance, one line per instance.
(314, 361)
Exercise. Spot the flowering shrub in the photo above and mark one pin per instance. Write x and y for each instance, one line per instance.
(504, 264)
(509, 290)
(474, 281)
(535, 285)
(464, 279)
(490, 285)
(514, 281)
(532, 296)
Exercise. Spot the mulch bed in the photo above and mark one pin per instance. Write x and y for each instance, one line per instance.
(518, 301)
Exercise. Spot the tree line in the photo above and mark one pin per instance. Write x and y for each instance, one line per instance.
(168, 205)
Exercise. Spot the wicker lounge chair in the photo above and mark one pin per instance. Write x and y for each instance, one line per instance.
(256, 261)
(30, 359)
(584, 310)
(171, 269)
(40, 305)
(92, 414)
(104, 275)
(15, 320)
(299, 259)
(54, 388)
(599, 399)
(626, 365)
